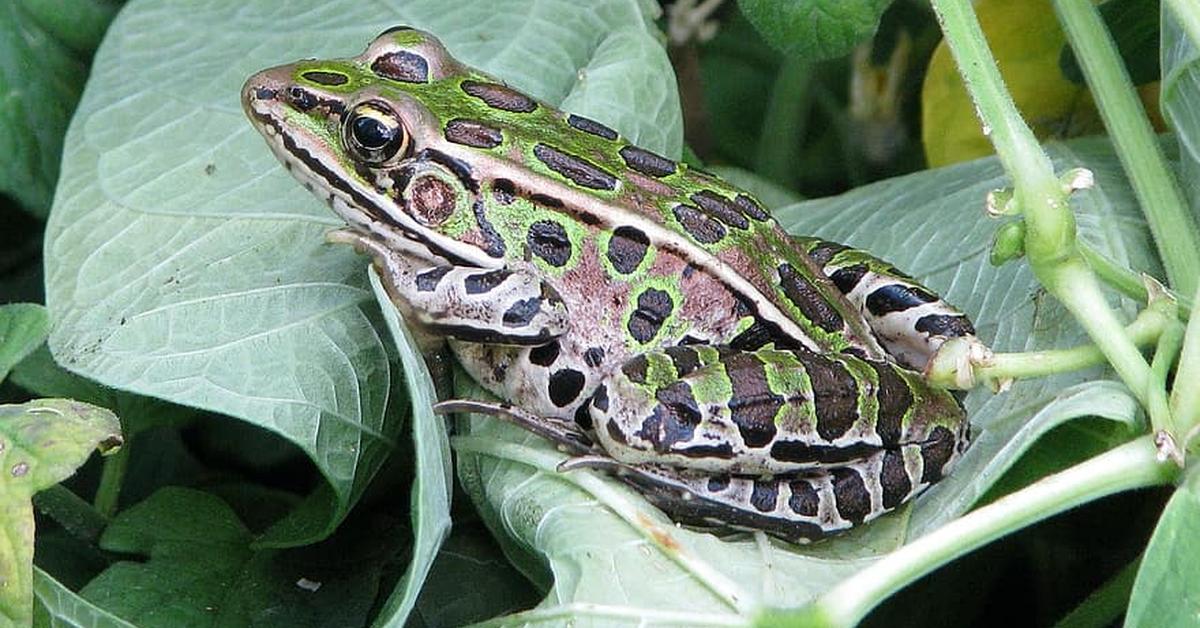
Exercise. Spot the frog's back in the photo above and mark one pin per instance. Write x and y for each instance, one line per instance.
(504, 145)
(697, 210)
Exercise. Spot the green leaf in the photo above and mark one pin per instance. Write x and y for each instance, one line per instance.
(814, 29)
(44, 45)
(770, 193)
(1165, 592)
(23, 328)
(184, 263)
(433, 482)
(1106, 604)
(60, 607)
(39, 374)
(194, 563)
(41, 443)
(1180, 100)
(470, 555)
(633, 561)
(1134, 27)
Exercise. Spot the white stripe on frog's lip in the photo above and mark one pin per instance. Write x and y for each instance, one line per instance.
(363, 209)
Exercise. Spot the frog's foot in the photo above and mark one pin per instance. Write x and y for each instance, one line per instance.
(507, 305)
(511, 306)
(953, 364)
(567, 435)
(599, 462)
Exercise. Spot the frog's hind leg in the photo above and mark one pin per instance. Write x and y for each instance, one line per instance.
(909, 320)
(509, 306)
(799, 508)
(567, 435)
(721, 410)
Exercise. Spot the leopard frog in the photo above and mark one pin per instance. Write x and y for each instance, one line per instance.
(648, 317)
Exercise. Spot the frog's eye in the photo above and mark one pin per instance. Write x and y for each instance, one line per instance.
(374, 134)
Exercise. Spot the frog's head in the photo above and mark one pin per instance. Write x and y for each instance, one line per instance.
(369, 135)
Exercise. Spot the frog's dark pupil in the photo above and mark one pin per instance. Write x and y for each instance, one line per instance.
(372, 134)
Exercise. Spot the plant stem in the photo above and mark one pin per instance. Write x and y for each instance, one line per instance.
(72, 512)
(1129, 466)
(581, 612)
(1121, 279)
(1165, 353)
(785, 122)
(1174, 229)
(1144, 330)
(1128, 282)
(1050, 227)
(111, 477)
(1185, 396)
(1018, 149)
(1090, 309)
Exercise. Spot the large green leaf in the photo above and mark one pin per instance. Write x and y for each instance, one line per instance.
(42, 442)
(23, 329)
(60, 607)
(814, 29)
(612, 557)
(1180, 100)
(192, 564)
(44, 45)
(184, 263)
(1165, 592)
(432, 485)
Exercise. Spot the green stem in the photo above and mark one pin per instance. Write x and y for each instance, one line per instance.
(1129, 466)
(573, 613)
(1050, 226)
(1144, 330)
(1079, 292)
(1121, 279)
(1165, 353)
(71, 511)
(1175, 231)
(1185, 396)
(111, 477)
(1126, 281)
(784, 123)
(1187, 13)
(1016, 146)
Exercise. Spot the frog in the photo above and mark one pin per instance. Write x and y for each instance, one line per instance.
(647, 317)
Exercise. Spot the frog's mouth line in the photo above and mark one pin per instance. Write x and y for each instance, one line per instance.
(360, 212)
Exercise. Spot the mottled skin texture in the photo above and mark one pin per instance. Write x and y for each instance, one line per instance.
(561, 261)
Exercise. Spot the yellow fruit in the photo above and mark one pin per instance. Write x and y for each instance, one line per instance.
(1026, 41)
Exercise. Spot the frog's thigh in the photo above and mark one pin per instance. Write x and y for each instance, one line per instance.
(769, 411)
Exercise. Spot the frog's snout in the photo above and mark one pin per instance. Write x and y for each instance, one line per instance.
(263, 93)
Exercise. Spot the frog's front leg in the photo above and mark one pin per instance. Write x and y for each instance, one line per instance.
(766, 412)
(909, 320)
(506, 305)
